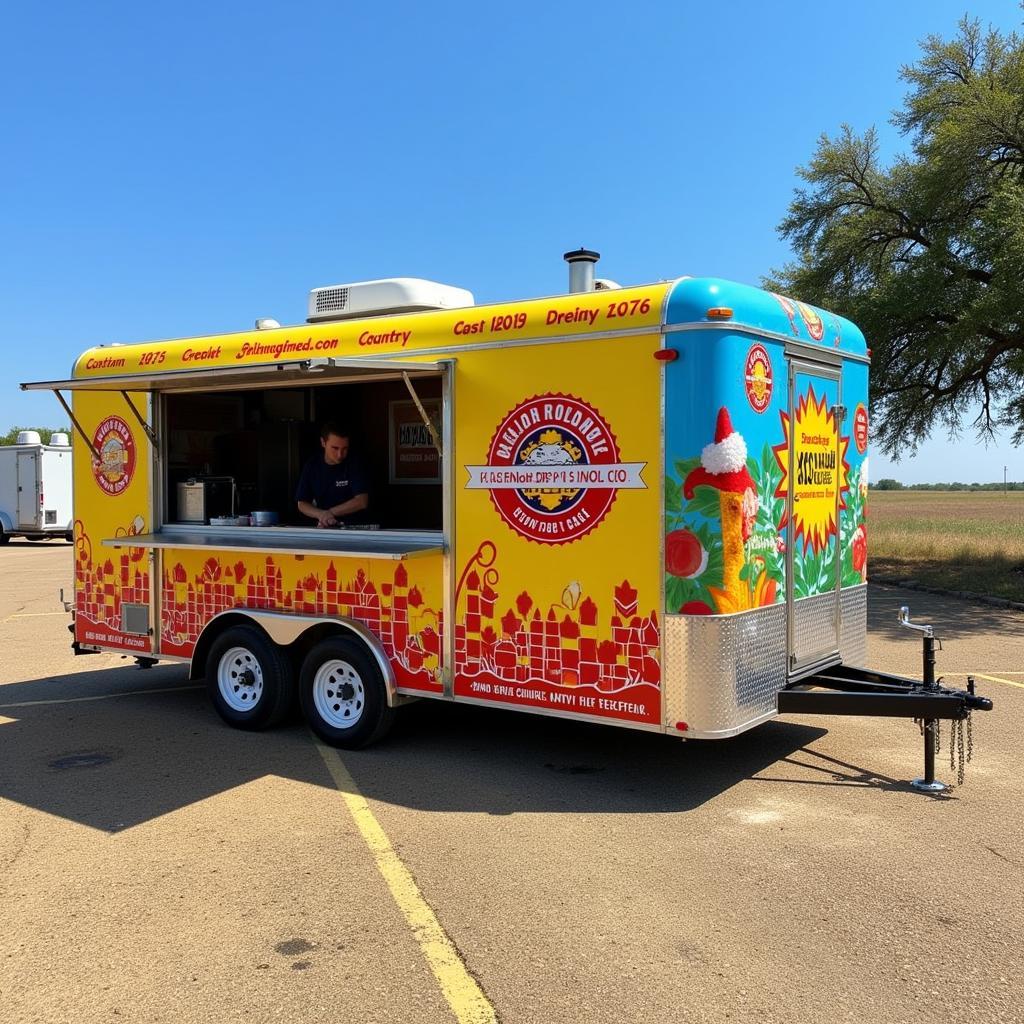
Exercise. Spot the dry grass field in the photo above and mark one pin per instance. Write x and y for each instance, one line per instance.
(957, 540)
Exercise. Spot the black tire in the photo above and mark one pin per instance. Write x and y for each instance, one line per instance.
(249, 678)
(34, 536)
(342, 693)
(5, 538)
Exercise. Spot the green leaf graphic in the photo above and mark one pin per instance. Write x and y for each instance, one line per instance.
(684, 467)
(705, 502)
(673, 496)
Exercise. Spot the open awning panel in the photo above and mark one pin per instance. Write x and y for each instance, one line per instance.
(261, 375)
(296, 371)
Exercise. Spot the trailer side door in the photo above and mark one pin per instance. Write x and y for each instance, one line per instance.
(815, 484)
(28, 489)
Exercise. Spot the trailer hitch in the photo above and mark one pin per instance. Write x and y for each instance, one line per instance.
(930, 726)
(849, 690)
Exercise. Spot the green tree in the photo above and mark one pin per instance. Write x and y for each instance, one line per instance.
(45, 433)
(927, 255)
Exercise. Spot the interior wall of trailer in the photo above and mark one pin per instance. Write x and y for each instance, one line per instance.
(262, 438)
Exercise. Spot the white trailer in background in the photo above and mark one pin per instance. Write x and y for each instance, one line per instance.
(35, 488)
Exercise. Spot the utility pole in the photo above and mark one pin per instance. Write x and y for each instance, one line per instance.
(1004, 480)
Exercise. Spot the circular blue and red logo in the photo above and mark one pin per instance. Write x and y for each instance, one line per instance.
(116, 466)
(553, 469)
(757, 377)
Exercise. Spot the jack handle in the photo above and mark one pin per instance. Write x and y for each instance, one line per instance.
(904, 620)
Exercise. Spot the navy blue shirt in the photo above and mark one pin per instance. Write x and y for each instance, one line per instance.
(326, 486)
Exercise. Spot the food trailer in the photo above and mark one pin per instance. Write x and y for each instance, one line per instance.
(35, 488)
(640, 506)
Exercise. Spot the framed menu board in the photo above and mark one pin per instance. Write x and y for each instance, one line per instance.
(412, 457)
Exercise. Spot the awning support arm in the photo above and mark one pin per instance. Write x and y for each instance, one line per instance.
(78, 426)
(150, 433)
(423, 413)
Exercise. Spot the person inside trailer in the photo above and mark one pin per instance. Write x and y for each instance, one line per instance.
(332, 488)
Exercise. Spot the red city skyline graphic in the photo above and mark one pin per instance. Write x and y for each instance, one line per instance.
(394, 611)
(102, 587)
(569, 648)
(527, 654)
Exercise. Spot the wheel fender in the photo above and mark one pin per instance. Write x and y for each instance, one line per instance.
(284, 630)
(6, 525)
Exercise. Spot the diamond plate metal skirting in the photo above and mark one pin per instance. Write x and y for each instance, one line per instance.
(853, 640)
(814, 627)
(722, 672)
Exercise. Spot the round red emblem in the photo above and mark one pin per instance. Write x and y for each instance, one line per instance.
(757, 377)
(116, 466)
(860, 428)
(553, 469)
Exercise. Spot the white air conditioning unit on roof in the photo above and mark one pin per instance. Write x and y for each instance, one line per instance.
(376, 298)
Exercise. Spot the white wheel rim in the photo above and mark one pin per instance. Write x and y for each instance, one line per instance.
(338, 694)
(240, 679)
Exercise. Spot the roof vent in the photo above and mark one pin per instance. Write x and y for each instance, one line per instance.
(59, 441)
(328, 300)
(29, 437)
(376, 298)
(581, 269)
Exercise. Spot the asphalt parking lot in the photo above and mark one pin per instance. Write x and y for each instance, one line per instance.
(158, 866)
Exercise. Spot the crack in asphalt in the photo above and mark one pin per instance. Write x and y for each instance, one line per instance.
(9, 861)
(996, 853)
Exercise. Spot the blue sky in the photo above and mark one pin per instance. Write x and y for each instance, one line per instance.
(176, 170)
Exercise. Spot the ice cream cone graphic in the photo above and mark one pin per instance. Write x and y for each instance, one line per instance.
(723, 465)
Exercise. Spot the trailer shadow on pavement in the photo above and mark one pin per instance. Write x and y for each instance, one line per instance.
(157, 745)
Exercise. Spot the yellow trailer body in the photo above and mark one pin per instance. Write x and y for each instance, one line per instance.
(642, 506)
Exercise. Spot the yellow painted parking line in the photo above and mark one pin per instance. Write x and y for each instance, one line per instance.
(6, 721)
(458, 986)
(996, 679)
(31, 615)
(101, 696)
(1000, 671)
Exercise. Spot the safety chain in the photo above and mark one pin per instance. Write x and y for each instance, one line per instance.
(960, 751)
(933, 729)
(959, 754)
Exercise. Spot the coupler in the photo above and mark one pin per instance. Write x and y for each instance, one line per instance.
(849, 690)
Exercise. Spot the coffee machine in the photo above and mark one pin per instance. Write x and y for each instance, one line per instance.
(201, 498)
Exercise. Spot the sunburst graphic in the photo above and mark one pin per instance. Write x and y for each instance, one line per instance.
(819, 454)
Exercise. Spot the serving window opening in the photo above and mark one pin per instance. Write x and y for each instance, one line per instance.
(237, 451)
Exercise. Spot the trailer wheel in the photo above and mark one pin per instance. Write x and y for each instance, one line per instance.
(5, 538)
(343, 696)
(249, 678)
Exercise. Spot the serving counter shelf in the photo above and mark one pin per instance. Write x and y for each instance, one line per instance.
(395, 545)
